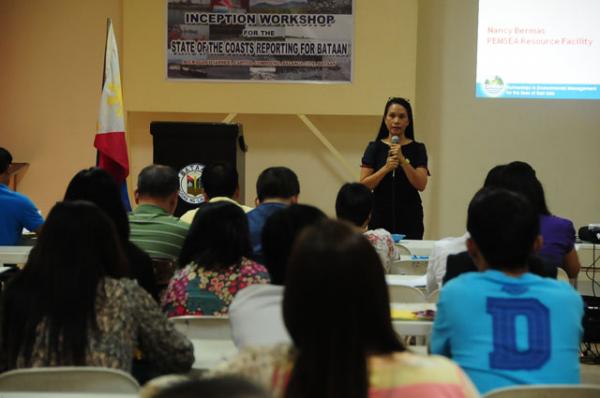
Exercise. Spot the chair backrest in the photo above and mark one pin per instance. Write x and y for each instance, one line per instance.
(407, 265)
(14, 254)
(203, 327)
(434, 296)
(211, 336)
(405, 294)
(403, 250)
(547, 391)
(69, 379)
(164, 268)
(562, 275)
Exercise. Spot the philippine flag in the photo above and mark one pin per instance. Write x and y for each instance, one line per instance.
(110, 135)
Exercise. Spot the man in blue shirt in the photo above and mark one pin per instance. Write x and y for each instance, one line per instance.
(504, 325)
(16, 210)
(276, 187)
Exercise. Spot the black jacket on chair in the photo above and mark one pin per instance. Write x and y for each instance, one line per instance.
(460, 263)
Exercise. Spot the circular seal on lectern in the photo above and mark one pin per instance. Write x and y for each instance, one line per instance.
(190, 188)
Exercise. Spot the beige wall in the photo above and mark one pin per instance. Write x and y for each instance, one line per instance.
(280, 140)
(273, 132)
(51, 79)
(51, 71)
(467, 136)
(384, 55)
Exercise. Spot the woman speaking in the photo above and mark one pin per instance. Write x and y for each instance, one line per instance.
(394, 166)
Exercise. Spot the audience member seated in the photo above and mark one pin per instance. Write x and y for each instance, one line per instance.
(558, 249)
(214, 263)
(17, 211)
(220, 387)
(100, 188)
(255, 313)
(354, 203)
(153, 227)
(505, 325)
(276, 188)
(68, 307)
(220, 183)
(336, 309)
(448, 258)
(438, 259)
(436, 266)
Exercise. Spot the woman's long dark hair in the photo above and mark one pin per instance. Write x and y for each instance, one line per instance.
(217, 238)
(99, 187)
(336, 309)
(279, 234)
(56, 293)
(410, 129)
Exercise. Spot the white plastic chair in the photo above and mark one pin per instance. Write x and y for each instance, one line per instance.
(409, 266)
(69, 380)
(434, 296)
(561, 275)
(14, 254)
(547, 391)
(403, 250)
(211, 336)
(405, 294)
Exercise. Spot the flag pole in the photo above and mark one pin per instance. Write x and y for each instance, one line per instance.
(108, 23)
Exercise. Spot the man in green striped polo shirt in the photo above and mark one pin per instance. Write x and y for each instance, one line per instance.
(153, 227)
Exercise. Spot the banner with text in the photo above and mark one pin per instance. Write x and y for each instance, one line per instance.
(279, 40)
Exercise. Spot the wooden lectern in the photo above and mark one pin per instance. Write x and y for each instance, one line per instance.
(188, 147)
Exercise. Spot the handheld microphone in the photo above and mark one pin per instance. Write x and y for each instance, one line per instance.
(395, 141)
